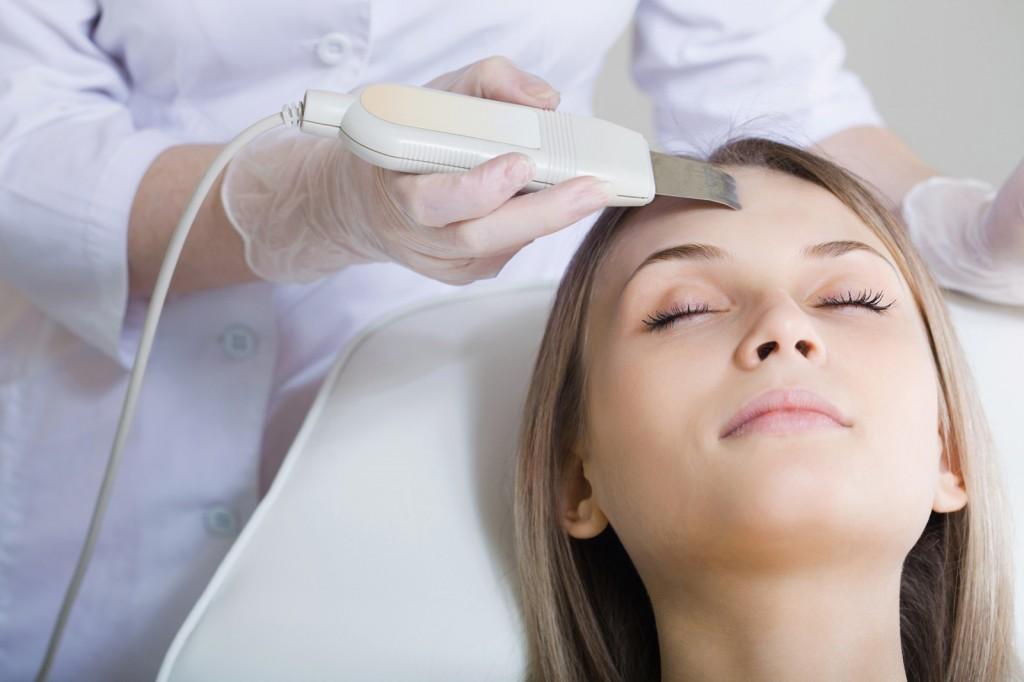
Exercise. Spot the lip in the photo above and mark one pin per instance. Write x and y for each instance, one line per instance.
(798, 401)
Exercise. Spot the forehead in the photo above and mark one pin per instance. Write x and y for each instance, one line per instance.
(781, 214)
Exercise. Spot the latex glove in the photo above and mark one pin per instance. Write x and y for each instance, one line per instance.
(971, 236)
(306, 207)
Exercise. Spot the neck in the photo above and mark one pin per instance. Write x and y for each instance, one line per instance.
(818, 625)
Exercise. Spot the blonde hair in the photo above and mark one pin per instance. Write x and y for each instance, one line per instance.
(587, 614)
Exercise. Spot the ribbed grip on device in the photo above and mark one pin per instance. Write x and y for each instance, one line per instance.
(557, 141)
(423, 157)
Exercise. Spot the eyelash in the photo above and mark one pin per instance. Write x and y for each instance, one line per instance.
(866, 299)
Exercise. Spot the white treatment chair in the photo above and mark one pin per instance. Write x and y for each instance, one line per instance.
(383, 549)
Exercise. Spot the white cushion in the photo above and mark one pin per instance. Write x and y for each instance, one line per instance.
(383, 549)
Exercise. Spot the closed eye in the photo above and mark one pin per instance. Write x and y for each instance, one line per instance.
(865, 299)
(664, 318)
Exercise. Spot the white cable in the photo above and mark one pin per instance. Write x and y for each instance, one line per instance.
(291, 114)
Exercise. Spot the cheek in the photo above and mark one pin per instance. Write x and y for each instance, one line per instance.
(895, 385)
(649, 430)
(650, 405)
(895, 389)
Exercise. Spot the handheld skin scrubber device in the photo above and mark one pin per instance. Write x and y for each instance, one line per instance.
(420, 130)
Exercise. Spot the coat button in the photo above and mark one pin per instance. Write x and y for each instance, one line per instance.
(220, 521)
(238, 341)
(332, 48)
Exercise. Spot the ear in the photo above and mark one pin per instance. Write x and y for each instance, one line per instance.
(581, 515)
(950, 494)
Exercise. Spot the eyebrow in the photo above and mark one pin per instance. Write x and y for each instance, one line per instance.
(832, 249)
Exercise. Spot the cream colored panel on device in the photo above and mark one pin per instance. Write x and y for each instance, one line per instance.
(451, 113)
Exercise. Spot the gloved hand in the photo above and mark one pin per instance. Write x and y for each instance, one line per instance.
(306, 207)
(971, 236)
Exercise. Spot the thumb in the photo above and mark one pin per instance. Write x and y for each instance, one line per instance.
(1005, 218)
(1011, 194)
(498, 78)
(534, 91)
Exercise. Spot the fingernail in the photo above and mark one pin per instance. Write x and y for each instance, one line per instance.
(519, 171)
(539, 89)
(594, 195)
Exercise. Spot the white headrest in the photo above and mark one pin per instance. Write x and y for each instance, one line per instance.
(383, 549)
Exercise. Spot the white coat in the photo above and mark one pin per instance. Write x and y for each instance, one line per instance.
(91, 91)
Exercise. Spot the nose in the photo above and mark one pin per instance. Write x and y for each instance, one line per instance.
(781, 329)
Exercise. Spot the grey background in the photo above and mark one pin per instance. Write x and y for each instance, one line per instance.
(947, 76)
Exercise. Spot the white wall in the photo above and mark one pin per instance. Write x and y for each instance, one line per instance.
(947, 76)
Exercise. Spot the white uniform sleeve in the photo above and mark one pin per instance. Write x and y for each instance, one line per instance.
(723, 68)
(71, 160)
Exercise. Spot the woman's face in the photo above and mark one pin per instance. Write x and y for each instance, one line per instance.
(786, 489)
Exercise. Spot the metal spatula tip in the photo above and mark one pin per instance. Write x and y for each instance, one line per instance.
(677, 176)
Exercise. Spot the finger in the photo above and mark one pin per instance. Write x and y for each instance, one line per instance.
(467, 270)
(454, 271)
(500, 79)
(438, 199)
(525, 218)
